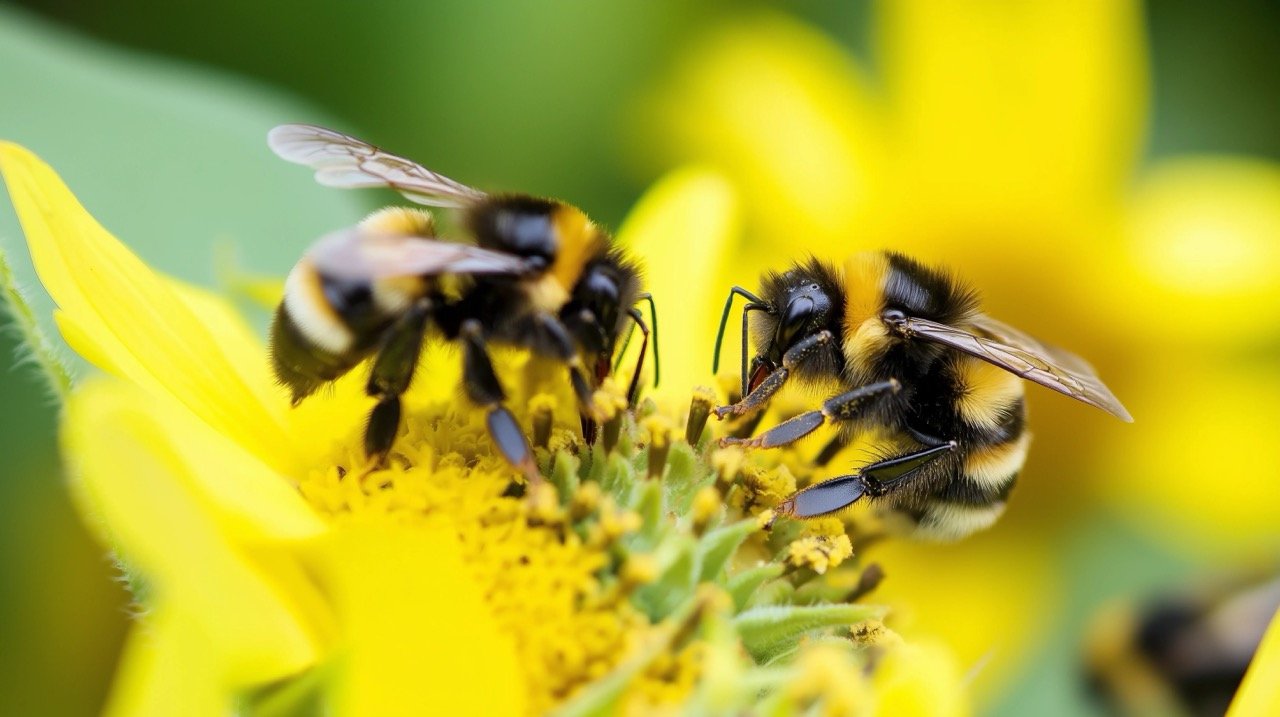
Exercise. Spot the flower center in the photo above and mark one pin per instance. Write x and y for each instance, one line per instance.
(555, 577)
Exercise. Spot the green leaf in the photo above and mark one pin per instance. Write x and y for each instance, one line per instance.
(649, 505)
(564, 474)
(718, 546)
(675, 582)
(686, 473)
(743, 585)
(770, 630)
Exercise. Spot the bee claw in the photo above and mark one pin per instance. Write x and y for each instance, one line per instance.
(786, 507)
(744, 442)
(730, 411)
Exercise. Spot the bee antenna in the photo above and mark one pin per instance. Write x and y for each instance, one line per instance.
(653, 321)
(756, 304)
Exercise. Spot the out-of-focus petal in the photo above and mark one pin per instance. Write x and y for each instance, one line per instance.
(997, 601)
(787, 113)
(684, 229)
(1199, 466)
(1259, 693)
(116, 311)
(1011, 117)
(138, 489)
(166, 669)
(1201, 255)
(920, 680)
(418, 638)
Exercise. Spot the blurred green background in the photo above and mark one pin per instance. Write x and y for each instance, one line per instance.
(155, 115)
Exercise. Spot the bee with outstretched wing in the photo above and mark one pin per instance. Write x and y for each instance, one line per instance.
(539, 276)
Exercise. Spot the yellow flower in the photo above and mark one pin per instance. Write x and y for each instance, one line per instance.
(277, 574)
(1001, 140)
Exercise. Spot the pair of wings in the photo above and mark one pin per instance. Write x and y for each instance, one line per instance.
(342, 161)
(1012, 350)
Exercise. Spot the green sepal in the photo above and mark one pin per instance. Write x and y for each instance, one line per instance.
(617, 477)
(742, 585)
(675, 580)
(770, 630)
(36, 346)
(718, 546)
(686, 473)
(648, 503)
(564, 474)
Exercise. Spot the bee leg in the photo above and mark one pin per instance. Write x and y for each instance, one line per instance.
(759, 397)
(843, 408)
(393, 369)
(874, 480)
(561, 343)
(485, 390)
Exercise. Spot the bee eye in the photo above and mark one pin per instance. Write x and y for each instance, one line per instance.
(893, 316)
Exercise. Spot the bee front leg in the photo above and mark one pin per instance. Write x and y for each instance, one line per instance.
(485, 390)
(392, 371)
(563, 348)
(759, 397)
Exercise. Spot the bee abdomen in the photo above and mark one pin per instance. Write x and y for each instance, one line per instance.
(974, 496)
(325, 325)
(298, 363)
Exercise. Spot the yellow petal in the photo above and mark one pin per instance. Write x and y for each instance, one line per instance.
(1259, 693)
(682, 229)
(1200, 262)
(1011, 115)
(786, 112)
(418, 639)
(919, 680)
(183, 536)
(125, 317)
(166, 670)
(1199, 467)
(990, 619)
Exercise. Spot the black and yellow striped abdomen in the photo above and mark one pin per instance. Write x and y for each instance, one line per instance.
(982, 408)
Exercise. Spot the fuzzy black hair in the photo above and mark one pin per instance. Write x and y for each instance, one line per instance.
(927, 293)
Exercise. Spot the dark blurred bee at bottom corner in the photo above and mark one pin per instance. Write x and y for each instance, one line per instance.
(1182, 653)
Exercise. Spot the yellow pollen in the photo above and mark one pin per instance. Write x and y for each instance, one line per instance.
(540, 581)
(820, 553)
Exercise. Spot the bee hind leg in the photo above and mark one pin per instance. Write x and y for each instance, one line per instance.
(877, 479)
(393, 369)
(485, 390)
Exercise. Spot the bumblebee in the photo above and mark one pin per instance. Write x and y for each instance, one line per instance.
(540, 276)
(1182, 653)
(916, 360)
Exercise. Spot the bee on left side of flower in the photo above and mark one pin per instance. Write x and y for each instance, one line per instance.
(540, 276)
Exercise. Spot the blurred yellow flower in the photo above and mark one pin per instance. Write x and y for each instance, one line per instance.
(1001, 140)
(277, 574)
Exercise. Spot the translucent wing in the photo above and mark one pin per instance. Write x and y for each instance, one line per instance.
(358, 254)
(344, 161)
(1015, 351)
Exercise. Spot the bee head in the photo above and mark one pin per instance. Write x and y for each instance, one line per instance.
(799, 303)
(596, 313)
